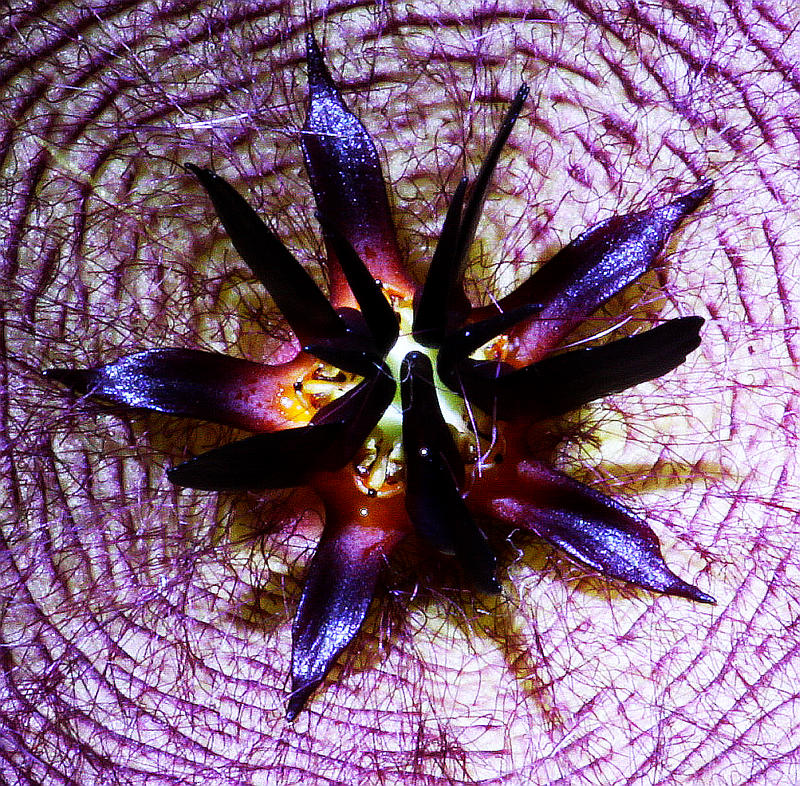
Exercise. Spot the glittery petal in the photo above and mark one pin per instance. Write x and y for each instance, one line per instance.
(593, 267)
(338, 589)
(188, 383)
(307, 310)
(565, 382)
(347, 181)
(588, 527)
(434, 472)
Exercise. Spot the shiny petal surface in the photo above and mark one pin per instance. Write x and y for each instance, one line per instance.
(565, 382)
(189, 383)
(434, 473)
(589, 528)
(338, 589)
(280, 459)
(347, 181)
(593, 267)
(307, 310)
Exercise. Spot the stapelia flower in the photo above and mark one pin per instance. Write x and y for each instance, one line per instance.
(387, 410)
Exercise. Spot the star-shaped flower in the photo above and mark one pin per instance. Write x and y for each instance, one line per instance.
(408, 409)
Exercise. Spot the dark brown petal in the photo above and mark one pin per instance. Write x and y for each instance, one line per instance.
(376, 310)
(188, 383)
(442, 302)
(474, 205)
(307, 310)
(280, 459)
(287, 458)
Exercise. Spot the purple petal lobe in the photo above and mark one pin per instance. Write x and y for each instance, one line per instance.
(565, 382)
(434, 473)
(346, 176)
(184, 382)
(338, 590)
(593, 267)
(591, 529)
(307, 310)
(280, 459)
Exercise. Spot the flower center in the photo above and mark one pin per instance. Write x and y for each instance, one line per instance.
(379, 466)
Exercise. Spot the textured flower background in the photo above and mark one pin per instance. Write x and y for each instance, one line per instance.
(146, 632)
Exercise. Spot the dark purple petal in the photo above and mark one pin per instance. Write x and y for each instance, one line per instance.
(185, 382)
(434, 473)
(377, 312)
(474, 205)
(593, 267)
(307, 310)
(338, 589)
(565, 382)
(280, 459)
(442, 302)
(590, 528)
(346, 177)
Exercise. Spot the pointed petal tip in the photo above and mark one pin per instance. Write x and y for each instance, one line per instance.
(312, 47)
(176, 475)
(522, 94)
(299, 697)
(207, 177)
(685, 332)
(691, 201)
(682, 589)
(75, 378)
(704, 597)
(319, 78)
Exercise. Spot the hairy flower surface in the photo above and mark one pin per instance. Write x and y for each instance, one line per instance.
(408, 409)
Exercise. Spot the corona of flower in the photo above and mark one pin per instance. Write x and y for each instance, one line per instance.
(408, 409)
